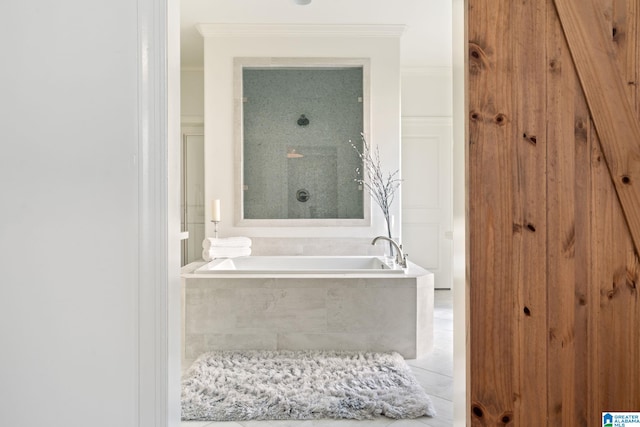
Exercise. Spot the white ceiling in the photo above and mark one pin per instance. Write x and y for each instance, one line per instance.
(425, 43)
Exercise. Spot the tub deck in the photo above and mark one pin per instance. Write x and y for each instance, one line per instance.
(356, 265)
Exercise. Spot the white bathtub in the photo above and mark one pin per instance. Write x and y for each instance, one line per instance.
(356, 265)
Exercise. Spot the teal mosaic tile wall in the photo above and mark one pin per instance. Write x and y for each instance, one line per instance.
(282, 157)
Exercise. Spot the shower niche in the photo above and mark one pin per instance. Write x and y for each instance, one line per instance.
(297, 122)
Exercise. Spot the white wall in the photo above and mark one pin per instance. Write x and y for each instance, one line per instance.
(192, 99)
(68, 223)
(219, 118)
(427, 169)
(426, 92)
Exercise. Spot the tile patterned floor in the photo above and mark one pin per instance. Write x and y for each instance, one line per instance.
(434, 372)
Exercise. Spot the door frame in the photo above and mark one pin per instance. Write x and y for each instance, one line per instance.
(158, 290)
(159, 335)
(461, 352)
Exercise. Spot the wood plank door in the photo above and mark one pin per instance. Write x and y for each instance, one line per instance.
(553, 211)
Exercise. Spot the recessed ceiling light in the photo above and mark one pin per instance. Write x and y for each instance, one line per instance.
(302, 2)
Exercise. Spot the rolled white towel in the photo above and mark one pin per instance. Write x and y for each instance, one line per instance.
(226, 242)
(215, 252)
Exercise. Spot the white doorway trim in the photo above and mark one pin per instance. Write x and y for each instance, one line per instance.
(461, 411)
(158, 293)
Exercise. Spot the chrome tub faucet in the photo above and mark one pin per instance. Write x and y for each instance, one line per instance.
(401, 257)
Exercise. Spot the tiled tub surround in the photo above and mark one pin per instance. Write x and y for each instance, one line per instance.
(307, 311)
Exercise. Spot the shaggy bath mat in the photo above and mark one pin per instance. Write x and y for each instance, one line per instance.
(301, 385)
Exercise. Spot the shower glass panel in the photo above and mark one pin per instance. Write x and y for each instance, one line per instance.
(299, 126)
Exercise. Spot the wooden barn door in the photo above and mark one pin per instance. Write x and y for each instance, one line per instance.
(553, 211)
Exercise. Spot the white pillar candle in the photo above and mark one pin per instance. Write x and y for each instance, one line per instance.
(215, 210)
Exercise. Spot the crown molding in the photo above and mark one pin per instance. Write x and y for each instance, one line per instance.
(299, 30)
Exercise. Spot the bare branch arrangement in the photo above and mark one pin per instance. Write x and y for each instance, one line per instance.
(381, 187)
